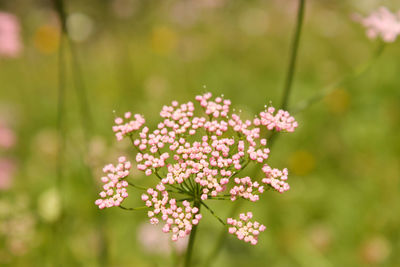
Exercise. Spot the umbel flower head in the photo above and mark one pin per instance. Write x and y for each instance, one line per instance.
(381, 23)
(197, 154)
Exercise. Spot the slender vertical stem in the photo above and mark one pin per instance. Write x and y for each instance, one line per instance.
(59, 6)
(221, 238)
(192, 238)
(60, 110)
(293, 55)
(285, 99)
(86, 117)
(61, 135)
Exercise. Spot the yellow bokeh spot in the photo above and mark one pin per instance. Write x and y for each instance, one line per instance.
(338, 101)
(301, 162)
(163, 40)
(46, 39)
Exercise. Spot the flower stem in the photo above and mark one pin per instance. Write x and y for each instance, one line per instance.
(293, 55)
(285, 99)
(213, 213)
(133, 209)
(221, 238)
(192, 238)
(358, 71)
(136, 186)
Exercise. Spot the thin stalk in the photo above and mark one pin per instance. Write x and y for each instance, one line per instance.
(285, 99)
(133, 209)
(358, 71)
(61, 136)
(213, 213)
(59, 6)
(60, 109)
(192, 238)
(217, 198)
(86, 118)
(177, 188)
(221, 238)
(293, 55)
(136, 186)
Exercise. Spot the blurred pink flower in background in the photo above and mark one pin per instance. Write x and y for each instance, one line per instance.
(10, 41)
(381, 23)
(187, 13)
(7, 136)
(153, 240)
(7, 170)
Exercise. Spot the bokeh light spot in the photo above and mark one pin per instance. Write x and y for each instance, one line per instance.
(338, 101)
(163, 40)
(46, 39)
(301, 162)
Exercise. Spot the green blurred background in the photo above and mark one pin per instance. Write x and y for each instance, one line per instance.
(343, 206)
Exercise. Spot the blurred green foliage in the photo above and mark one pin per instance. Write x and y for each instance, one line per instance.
(343, 160)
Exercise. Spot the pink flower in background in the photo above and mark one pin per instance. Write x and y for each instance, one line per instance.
(7, 136)
(381, 23)
(153, 240)
(7, 171)
(10, 41)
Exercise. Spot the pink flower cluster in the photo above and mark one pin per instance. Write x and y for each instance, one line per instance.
(217, 108)
(114, 188)
(381, 23)
(244, 188)
(200, 155)
(122, 129)
(276, 178)
(280, 121)
(10, 41)
(244, 229)
(178, 220)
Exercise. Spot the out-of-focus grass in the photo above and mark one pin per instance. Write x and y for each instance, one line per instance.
(343, 159)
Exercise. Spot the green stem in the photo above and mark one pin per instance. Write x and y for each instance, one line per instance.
(285, 99)
(221, 238)
(136, 186)
(361, 69)
(59, 6)
(81, 92)
(60, 110)
(293, 55)
(192, 238)
(213, 213)
(133, 209)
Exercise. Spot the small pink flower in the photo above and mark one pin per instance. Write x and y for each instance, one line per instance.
(178, 219)
(114, 187)
(122, 129)
(244, 229)
(276, 178)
